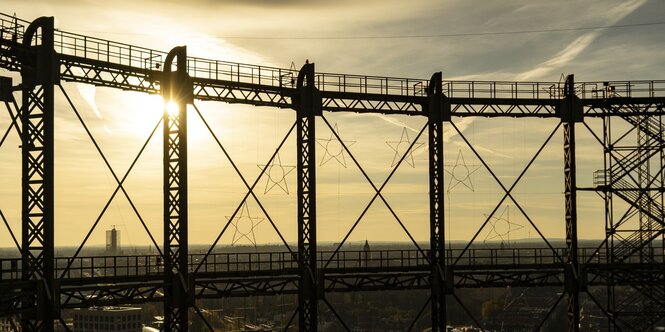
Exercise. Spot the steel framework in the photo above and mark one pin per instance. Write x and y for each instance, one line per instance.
(176, 89)
(38, 76)
(629, 263)
(309, 104)
(438, 111)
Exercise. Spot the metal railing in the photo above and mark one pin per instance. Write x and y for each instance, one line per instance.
(600, 178)
(10, 269)
(373, 259)
(109, 266)
(152, 265)
(523, 256)
(244, 262)
(111, 52)
(107, 51)
(241, 73)
(615, 89)
(149, 59)
(503, 89)
(11, 28)
(365, 84)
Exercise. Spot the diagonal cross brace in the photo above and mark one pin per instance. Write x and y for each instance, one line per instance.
(249, 192)
(507, 191)
(377, 193)
(14, 120)
(118, 188)
(237, 170)
(4, 220)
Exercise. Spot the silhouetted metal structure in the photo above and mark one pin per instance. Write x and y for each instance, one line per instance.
(177, 92)
(38, 76)
(571, 110)
(39, 285)
(438, 111)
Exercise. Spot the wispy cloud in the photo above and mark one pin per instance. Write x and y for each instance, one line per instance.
(575, 48)
(560, 59)
(492, 152)
(398, 123)
(450, 132)
(88, 93)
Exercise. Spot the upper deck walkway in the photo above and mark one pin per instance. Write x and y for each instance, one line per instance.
(112, 64)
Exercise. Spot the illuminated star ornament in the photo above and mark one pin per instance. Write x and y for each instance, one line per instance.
(460, 173)
(333, 149)
(244, 225)
(400, 147)
(501, 227)
(277, 173)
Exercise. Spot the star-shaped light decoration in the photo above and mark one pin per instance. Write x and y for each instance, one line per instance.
(460, 173)
(244, 225)
(277, 173)
(501, 227)
(333, 148)
(400, 147)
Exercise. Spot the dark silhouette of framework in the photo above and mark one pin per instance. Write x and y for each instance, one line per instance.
(38, 285)
(37, 123)
(177, 92)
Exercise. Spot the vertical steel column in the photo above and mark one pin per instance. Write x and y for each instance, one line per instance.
(644, 145)
(177, 93)
(308, 105)
(609, 219)
(571, 112)
(39, 74)
(661, 167)
(438, 110)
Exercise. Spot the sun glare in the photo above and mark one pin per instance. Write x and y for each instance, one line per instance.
(172, 108)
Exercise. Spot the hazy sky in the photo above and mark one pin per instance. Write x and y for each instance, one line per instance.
(281, 32)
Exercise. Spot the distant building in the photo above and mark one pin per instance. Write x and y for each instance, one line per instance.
(108, 319)
(112, 241)
(366, 255)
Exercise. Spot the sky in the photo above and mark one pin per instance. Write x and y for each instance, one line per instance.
(282, 33)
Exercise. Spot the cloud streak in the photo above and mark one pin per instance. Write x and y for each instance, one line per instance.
(88, 93)
(581, 43)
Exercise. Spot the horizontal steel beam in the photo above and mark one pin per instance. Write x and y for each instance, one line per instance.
(110, 64)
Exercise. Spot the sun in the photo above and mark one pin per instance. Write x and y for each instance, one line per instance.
(148, 109)
(171, 108)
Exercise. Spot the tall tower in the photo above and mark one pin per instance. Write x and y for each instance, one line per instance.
(113, 241)
(366, 253)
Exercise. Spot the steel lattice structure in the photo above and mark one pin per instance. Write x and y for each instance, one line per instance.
(633, 174)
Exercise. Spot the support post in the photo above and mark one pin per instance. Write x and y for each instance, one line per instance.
(177, 91)
(438, 109)
(308, 105)
(39, 74)
(571, 112)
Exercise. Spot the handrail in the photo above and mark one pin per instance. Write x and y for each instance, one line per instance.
(12, 26)
(141, 58)
(231, 262)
